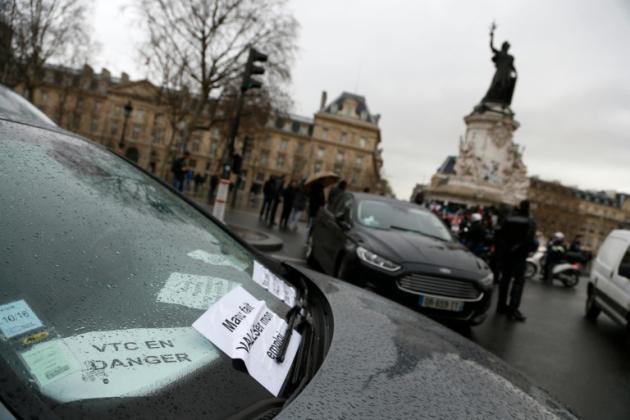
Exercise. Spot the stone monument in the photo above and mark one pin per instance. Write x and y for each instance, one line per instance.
(489, 168)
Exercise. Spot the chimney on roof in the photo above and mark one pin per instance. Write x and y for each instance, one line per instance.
(377, 117)
(124, 77)
(322, 104)
(105, 74)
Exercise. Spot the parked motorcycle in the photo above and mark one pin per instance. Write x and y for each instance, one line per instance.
(567, 272)
(534, 263)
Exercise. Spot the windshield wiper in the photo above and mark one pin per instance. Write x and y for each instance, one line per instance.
(299, 310)
(418, 232)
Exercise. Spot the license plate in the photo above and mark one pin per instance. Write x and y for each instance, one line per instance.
(440, 303)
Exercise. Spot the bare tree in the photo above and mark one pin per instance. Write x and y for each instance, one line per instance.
(42, 31)
(205, 43)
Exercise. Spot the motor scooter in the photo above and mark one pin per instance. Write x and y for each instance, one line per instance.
(534, 263)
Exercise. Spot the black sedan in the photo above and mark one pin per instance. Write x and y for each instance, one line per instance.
(404, 250)
(106, 270)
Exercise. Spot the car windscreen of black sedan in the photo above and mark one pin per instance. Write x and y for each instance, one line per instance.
(104, 270)
(403, 249)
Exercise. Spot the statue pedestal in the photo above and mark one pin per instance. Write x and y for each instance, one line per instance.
(489, 167)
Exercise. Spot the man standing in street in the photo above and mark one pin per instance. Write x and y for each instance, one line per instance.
(214, 183)
(517, 238)
(267, 197)
(276, 198)
(288, 195)
(179, 170)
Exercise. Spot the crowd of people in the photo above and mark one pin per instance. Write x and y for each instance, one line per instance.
(504, 238)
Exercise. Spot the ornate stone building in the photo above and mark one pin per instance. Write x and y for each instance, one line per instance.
(592, 215)
(343, 136)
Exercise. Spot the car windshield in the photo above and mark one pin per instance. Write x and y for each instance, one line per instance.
(389, 215)
(14, 106)
(113, 269)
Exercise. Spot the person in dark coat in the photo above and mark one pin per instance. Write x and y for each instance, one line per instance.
(299, 204)
(276, 198)
(517, 238)
(214, 183)
(317, 200)
(288, 196)
(179, 170)
(267, 197)
(337, 189)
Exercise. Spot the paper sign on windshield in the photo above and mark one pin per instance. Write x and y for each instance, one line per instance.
(272, 283)
(244, 328)
(17, 318)
(193, 291)
(116, 363)
(218, 259)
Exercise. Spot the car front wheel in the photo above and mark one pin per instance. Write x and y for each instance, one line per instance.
(592, 310)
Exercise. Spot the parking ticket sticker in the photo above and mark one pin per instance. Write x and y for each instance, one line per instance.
(117, 363)
(218, 259)
(273, 284)
(194, 291)
(17, 318)
(49, 361)
(244, 328)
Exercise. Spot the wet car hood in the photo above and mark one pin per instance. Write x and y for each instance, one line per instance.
(402, 247)
(388, 361)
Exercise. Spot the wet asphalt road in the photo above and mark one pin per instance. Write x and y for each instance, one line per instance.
(585, 365)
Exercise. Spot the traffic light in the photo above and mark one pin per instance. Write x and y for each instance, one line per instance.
(237, 163)
(251, 69)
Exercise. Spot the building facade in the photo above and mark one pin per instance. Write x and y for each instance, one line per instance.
(575, 212)
(341, 137)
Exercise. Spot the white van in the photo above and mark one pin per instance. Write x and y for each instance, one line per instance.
(609, 283)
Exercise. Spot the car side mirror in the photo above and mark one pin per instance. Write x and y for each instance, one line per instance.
(624, 270)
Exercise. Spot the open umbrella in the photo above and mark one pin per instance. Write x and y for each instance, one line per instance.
(327, 178)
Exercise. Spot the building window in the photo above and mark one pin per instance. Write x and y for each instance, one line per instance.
(215, 133)
(213, 149)
(280, 161)
(94, 124)
(97, 107)
(157, 137)
(284, 144)
(362, 142)
(325, 133)
(300, 148)
(320, 152)
(136, 131)
(340, 155)
(264, 158)
(196, 144)
(44, 98)
(344, 137)
(139, 115)
(318, 166)
(359, 161)
(113, 128)
(304, 129)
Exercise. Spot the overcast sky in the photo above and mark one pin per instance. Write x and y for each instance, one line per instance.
(423, 65)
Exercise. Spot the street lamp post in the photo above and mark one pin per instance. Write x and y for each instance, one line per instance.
(128, 109)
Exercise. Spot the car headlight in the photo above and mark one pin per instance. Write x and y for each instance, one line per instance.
(487, 280)
(376, 260)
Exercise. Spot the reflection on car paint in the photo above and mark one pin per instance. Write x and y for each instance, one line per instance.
(218, 259)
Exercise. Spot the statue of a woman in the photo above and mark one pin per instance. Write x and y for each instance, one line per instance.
(502, 86)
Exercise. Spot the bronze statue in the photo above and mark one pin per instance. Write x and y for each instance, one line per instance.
(502, 86)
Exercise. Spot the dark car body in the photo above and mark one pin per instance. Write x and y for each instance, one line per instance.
(430, 267)
(372, 358)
